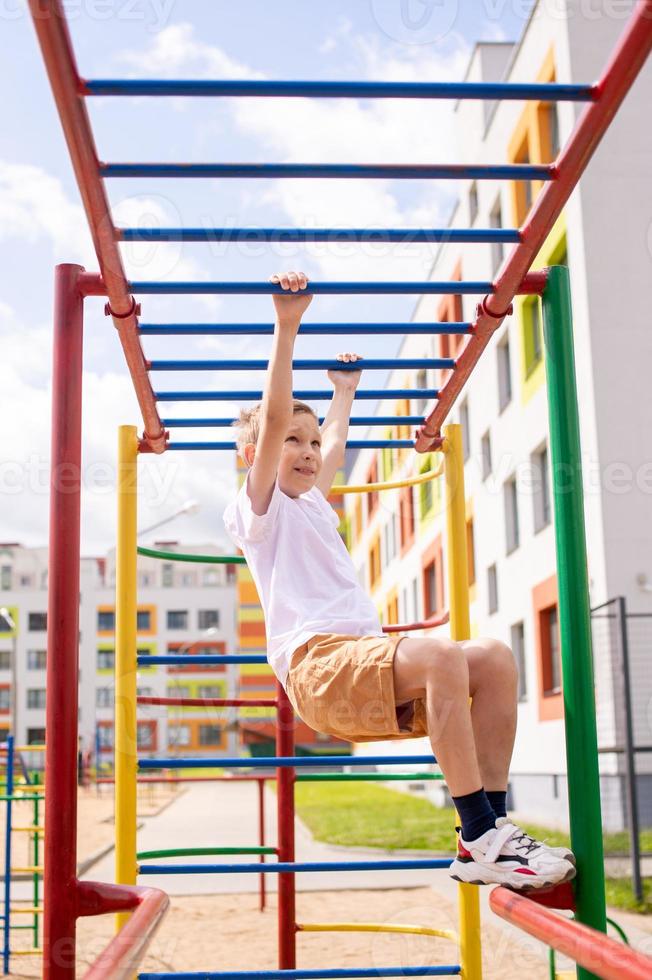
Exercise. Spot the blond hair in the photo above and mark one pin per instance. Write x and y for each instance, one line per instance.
(247, 425)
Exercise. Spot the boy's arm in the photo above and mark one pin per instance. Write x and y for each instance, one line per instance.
(276, 412)
(336, 424)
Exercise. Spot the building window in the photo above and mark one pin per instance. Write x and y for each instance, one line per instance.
(504, 375)
(415, 600)
(541, 489)
(373, 496)
(389, 533)
(144, 579)
(36, 697)
(146, 734)
(177, 619)
(532, 345)
(492, 588)
(167, 575)
(485, 447)
(37, 622)
(497, 248)
(143, 620)
(470, 550)
(512, 537)
(178, 691)
(550, 650)
(210, 577)
(406, 513)
(178, 735)
(5, 659)
(5, 577)
(466, 438)
(209, 691)
(105, 621)
(36, 736)
(426, 495)
(5, 699)
(36, 660)
(105, 659)
(144, 692)
(473, 202)
(208, 619)
(210, 735)
(518, 649)
(104, 697)
(374, 563)
(392, 608)
(430, 589)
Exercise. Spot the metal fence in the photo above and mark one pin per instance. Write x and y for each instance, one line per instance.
(622, 657)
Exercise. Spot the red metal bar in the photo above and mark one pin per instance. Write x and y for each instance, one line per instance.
(191, 779)
(60, 873)
(425, 625)
(287, 919)
(602, 955)
(123, 954)
(261, 838)
(626, 61)
(56, 46)
(210, 702)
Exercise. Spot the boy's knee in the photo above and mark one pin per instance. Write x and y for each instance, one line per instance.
(499, 655)
(446, 658)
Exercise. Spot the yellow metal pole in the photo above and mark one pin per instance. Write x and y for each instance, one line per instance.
(460, 623)
(126, 762)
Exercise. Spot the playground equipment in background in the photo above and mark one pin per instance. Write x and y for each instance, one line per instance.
(66, 897)
(19, 789)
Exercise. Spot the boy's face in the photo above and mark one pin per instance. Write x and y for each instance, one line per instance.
(300, 460)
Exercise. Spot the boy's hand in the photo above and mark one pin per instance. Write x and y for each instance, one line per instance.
(290, 309)
(347, 380)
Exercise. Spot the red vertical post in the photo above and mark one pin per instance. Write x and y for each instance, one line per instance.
(260, 783)
(60, 873)
(285, 803)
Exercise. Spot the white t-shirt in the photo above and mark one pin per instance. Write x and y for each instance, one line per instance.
(304, 575)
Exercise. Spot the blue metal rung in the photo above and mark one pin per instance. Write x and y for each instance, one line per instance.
(282, 867)
(285, 762)
(151, 660)
(454, 287)
(370, 364)
(272, 88)
(245, 236)
(313, 329)
(350, 444)
(364, 394)
(328, 974)
(369, 420)
(354, 171)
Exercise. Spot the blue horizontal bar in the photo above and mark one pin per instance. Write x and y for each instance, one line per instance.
(327, 974)
(350, 444)
(364, 394)
(246, 236)
(330, 364)
(355, 171)
(455, 287)
(369, 420)
(150, 660)
(283, 867)
(285, 762)
(272, 88)
(321, 329)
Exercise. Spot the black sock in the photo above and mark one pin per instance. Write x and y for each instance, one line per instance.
(476, 814)
(497, 798)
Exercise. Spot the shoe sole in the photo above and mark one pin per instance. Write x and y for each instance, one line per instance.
(510, 879)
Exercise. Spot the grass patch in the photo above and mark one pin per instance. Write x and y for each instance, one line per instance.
(621, 895)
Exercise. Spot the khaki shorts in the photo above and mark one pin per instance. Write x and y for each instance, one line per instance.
(344, 686)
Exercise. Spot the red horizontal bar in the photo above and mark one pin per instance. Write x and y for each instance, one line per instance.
(123, 954)
(600, 954)
(109, 780)
(211, 702)
(425, 625)
(624, 65)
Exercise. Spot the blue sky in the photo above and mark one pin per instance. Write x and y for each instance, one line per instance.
(42, 222)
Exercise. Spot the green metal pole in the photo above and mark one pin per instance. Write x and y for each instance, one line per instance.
(574, 610)
(36, 854)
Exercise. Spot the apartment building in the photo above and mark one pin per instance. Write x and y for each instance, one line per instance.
(398, 539)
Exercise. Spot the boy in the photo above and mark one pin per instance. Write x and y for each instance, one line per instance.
(325, 642)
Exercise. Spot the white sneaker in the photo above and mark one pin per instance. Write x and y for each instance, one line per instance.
(561, 852)
(508, 856)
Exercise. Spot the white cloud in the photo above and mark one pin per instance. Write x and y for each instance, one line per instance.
(176, 50)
